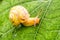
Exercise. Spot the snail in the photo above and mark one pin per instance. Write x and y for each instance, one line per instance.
(18, 14)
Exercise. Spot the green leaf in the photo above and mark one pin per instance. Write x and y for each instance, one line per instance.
(47, 29)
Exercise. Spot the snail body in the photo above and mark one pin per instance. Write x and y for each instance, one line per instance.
(31, 21)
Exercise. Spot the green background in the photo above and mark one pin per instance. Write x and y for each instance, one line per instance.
(47, 29)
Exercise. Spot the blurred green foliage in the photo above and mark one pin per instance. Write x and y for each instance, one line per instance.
(47, 29)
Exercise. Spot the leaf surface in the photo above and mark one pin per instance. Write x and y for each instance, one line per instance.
(47, 29)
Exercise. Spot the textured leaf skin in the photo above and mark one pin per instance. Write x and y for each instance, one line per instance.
(47, 29)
